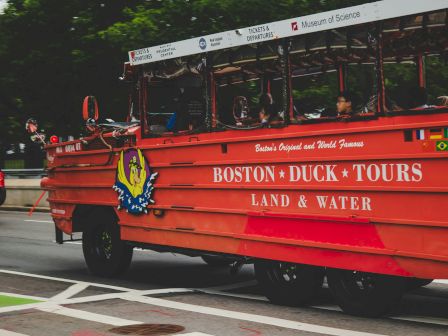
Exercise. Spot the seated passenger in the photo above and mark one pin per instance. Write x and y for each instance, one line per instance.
(344, 105)
(240, 110)
(267, 112)
(442, 101)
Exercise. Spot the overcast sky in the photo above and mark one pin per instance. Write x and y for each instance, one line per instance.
(2, 4)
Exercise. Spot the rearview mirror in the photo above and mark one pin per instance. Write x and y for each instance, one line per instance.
(90, 108)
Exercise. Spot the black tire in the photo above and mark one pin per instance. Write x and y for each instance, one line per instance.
(365, 294)
(2, 195)
(414, 283)
(289, 284)
(217, 261)
(105, 253)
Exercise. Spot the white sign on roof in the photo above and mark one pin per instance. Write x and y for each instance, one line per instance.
(343, 17)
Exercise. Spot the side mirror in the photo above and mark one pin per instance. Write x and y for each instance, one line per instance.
(90, 108)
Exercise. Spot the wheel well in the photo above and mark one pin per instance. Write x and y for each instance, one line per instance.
(83, 213)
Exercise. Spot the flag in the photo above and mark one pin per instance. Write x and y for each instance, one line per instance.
(420, 134)
(445, 133)
(435, 134)
(442, 146)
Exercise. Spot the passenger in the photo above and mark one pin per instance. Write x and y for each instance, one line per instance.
(442, 101)
(344, 105)
(240, 110)
(267, 112)
(182, 119)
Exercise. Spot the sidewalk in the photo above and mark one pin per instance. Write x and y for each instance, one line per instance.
(22, 194)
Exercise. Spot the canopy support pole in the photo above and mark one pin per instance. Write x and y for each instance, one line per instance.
(421, 70)
(379, 65)
(342, 69)
(142, 102)
(286, 82)
(208, 79)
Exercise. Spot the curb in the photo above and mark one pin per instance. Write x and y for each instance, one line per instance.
(22, 208)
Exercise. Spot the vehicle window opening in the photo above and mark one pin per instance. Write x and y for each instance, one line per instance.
(175, 99)
(249, 87)
(416, 63)
(330, 67)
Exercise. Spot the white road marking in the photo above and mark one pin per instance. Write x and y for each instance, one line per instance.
(441, 281)
(127, 293)
(411, 318)
(73, 242)
(328, 307)
(422, 319)
(83, 315)
(235, 295)
(248, 317)
(10, 309)
(32, 275)
(4, 332)
(234, 285)
(135, 248)
(195, 334)
(38, 221)
(103, 297)
(31, 297)
(71, 291)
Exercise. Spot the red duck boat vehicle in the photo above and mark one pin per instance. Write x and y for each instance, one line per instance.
(236, 148)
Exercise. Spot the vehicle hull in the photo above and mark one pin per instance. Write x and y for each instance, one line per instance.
(364, 195)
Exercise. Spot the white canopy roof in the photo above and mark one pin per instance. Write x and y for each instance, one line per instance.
(370, 12)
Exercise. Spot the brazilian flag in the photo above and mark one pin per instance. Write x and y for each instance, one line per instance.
(442, 146)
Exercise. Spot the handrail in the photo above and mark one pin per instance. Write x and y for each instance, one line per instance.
(21, 173)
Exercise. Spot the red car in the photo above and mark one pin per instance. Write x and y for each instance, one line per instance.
(2, 188)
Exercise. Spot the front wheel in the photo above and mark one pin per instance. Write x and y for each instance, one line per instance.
(365, 294)
(288, 284)
(105, 253)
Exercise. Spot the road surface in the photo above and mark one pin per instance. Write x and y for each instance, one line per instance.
(189, 297)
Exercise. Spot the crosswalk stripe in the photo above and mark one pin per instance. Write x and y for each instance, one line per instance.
(71, 291)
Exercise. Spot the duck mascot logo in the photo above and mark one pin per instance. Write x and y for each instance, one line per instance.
(134, 182)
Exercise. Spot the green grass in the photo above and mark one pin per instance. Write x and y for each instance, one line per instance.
(14, 164)
(6, 301)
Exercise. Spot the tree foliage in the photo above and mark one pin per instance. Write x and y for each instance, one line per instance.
(53, 52)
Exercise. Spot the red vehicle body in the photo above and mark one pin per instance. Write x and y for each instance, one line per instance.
(368, 195)
(386, 216)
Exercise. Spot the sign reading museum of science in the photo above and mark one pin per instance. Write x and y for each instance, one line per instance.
(380, 10)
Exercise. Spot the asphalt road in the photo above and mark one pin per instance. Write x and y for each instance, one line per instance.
(179, 291)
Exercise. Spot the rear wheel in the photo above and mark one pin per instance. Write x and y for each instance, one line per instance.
(288, 284)
(105, 253)
(365, 294)
(2, 195)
